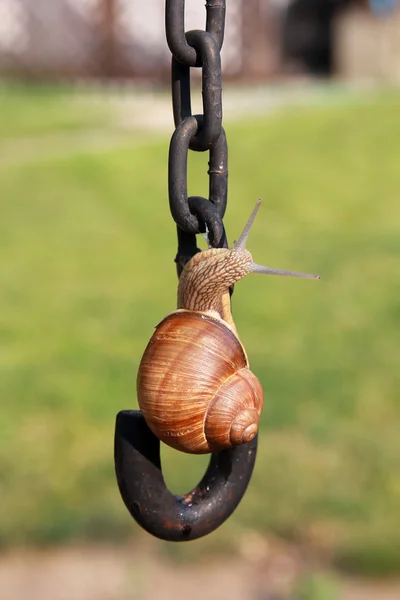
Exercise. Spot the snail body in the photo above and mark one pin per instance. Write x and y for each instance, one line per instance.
(194, 386)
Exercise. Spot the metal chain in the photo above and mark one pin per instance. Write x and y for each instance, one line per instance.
(197, 49)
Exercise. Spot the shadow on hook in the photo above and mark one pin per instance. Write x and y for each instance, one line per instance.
(153, 506)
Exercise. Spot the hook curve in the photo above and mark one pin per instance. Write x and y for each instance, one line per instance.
(149, 501)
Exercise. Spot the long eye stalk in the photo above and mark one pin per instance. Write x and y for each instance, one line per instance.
(241, 245)
(270, 271)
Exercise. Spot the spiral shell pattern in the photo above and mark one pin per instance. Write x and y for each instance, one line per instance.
(194, 387)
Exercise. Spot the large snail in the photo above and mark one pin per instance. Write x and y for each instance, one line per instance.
(195, 389)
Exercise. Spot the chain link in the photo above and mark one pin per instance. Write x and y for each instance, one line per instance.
(200, 133)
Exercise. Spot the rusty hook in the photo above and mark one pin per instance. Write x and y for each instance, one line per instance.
(153, 506)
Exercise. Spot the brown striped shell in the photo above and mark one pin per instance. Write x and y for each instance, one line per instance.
(194, 386)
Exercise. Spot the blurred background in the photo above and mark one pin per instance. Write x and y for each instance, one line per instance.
(311, 111)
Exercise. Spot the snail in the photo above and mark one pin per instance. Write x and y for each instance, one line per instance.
(194, 386)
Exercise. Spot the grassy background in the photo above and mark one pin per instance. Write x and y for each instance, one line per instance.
(87, 247)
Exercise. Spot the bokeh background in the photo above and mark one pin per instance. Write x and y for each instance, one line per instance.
(311, 110)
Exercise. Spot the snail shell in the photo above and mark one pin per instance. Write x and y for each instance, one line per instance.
(194, 387)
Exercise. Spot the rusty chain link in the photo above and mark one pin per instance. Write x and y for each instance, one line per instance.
(200, 133)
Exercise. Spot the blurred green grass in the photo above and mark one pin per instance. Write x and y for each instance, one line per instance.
(87, 247)
(43, 110)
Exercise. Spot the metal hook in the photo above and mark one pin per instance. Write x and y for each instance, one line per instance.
(153, 506)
